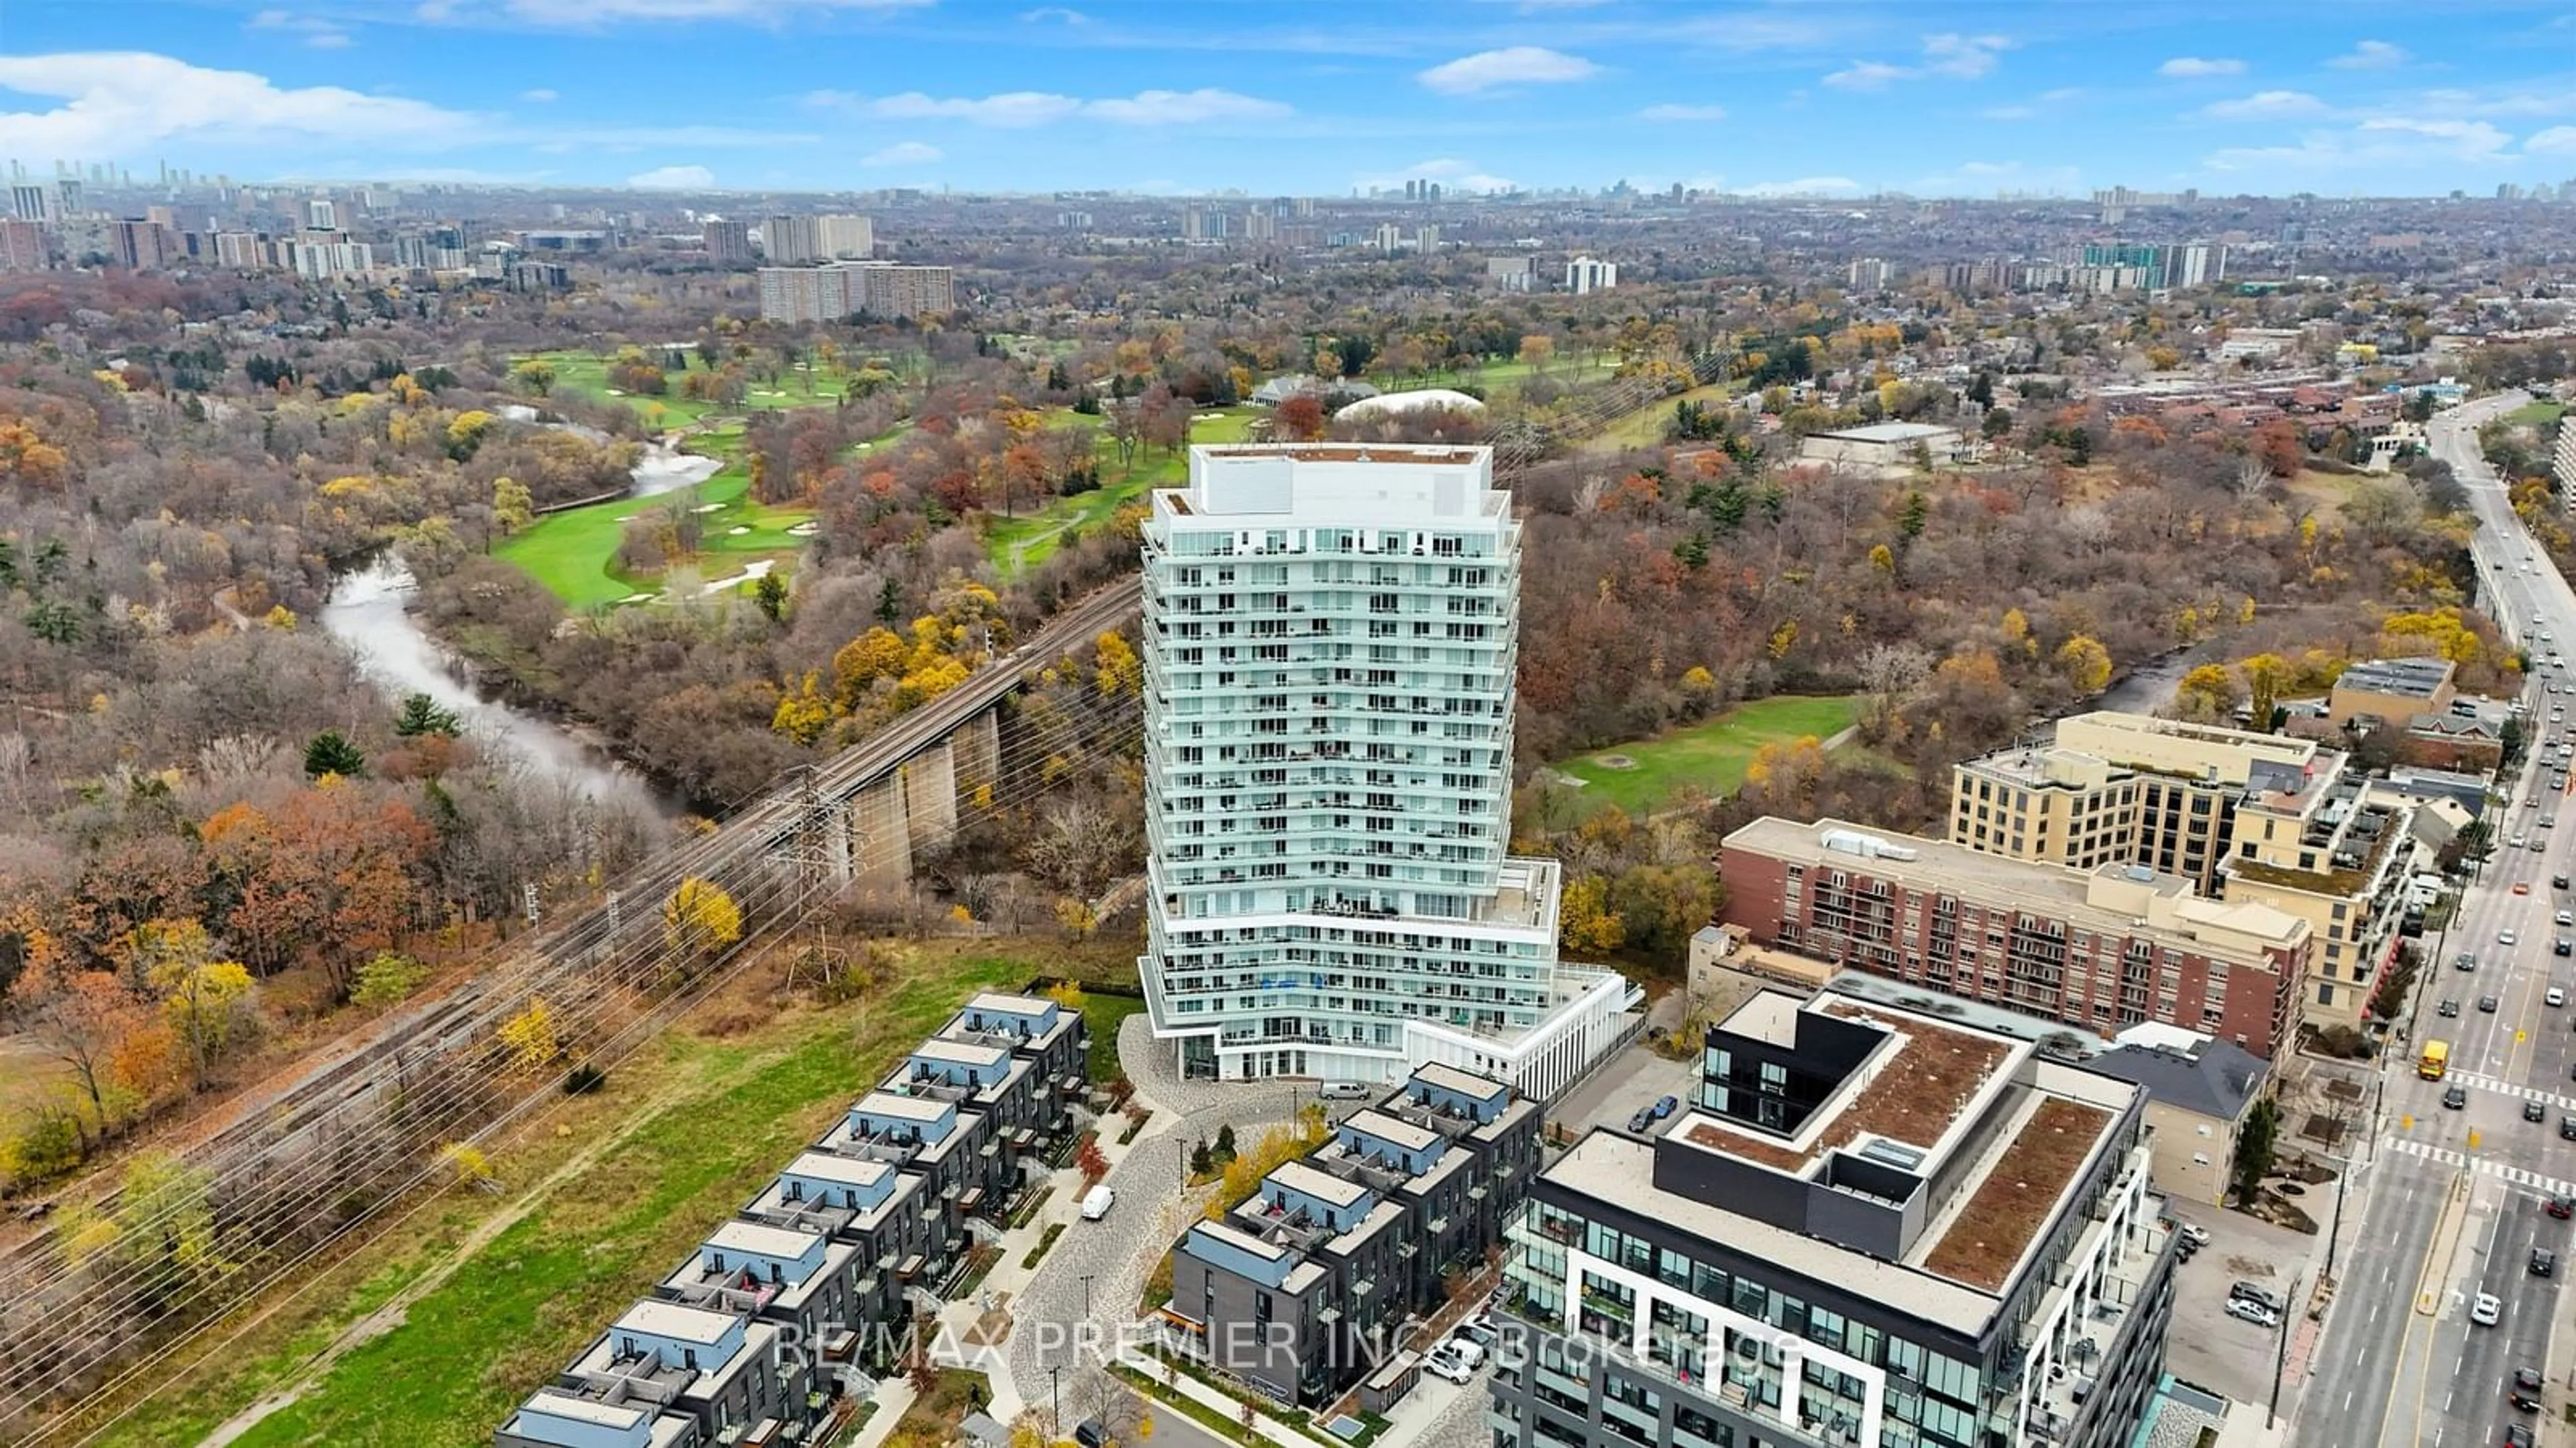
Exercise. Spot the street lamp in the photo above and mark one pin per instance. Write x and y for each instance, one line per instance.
(1086, 1296)
(1055, 1404)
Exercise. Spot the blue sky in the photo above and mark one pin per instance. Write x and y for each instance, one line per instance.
(1831, 96)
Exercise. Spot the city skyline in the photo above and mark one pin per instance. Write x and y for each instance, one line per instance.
(827, 95)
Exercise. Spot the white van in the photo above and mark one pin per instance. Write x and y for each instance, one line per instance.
(1097, 1202)
(1346, 1091)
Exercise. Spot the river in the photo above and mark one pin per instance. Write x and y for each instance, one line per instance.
(369, 612)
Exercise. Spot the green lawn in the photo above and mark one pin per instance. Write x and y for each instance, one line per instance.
(1645, 426)
(1711, 756)
(585, 374)
(717, 1119)
(574, 552)
(1500, 377)
(1030, 539)
(2533, 414)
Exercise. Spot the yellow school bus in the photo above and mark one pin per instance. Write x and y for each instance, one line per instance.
(2435, 1060)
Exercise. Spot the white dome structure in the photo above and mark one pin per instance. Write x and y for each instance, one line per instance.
(1397, 404)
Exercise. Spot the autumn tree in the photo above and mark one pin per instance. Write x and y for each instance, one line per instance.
(699, 919)
(2280, 448)
(531, 1040)
(1586, 925)
(1300, 418)
(2208, 692)
(78, 1019)
(2084, 664)
(2265, 676)
(210, 1005)
(535, 377)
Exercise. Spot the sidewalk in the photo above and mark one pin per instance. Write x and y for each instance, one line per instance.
(1229, 1407)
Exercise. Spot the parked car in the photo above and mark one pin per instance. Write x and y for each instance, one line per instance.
(2195, 1234)
(2486, 1310)
(2518, 1435)
(1447, 1362)
(1644, 1118)
(2528, 1379)
(1666, 1106)
(2241, 1291)
(2256, 1313)
(1477, 1331)
(1346, 1091)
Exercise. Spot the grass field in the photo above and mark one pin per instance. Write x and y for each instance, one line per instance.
(585, 374)
(574, 552)
(1028, 540)
(2533, 414)
(607, 1193)
(1498, 377)
(1711, 756)
(1645, 426)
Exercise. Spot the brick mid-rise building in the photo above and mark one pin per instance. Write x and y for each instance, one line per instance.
(2100, 949)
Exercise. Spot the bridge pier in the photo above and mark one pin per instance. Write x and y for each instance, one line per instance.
(976, 754)
(930, 795)
(881, 837)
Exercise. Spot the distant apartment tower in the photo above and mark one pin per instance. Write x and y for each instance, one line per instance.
(1512, 273)
(1330, 639)
(1870, 274)
(2199, 264)
(33, 202)
(728, 243)
(842, 289)
(140, 245)
(1585, 275)
(792, 240)
(23, 248)
(321, 215)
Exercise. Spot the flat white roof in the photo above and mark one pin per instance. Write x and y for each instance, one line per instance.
(831, 1167)
(767, 1241)
(1887, 432)
(886, 1103)
(939, 1048)
(1018, 1005)
(670, 1319)
(583, 1410)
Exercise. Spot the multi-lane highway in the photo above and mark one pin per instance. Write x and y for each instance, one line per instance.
(2450, 1200)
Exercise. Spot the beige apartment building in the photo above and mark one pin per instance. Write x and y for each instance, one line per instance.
(2253, 817)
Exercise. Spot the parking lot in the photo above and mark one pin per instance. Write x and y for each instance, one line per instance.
(1634, 1078)
(2230, 1357)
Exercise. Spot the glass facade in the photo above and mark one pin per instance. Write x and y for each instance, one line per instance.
(1328, 704)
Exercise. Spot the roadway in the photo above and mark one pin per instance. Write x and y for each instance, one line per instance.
(2448, 1202)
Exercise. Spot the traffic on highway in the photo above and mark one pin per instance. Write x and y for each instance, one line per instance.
(2442, 1324)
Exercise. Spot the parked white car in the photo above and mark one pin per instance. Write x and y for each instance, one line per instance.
(1444, 1361)
(2245, 1310)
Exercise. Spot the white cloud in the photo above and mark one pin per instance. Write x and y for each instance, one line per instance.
(1022, 110)
(597, 14)
(1804, 186)
(2381, 146)
(1185, 108)
(126, 103)
(674, 178)
(1973, 178)
(1956, 56)
(1671, 112)
(903, 153)
(2372, 55)
(1053, 14)
(2265, 106)
(1964, 56)
(318, 33)
(1512, 65)
(2194, 67)
(1866, 75)
(1452, 173)
(2557, 140)
(540, 96)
